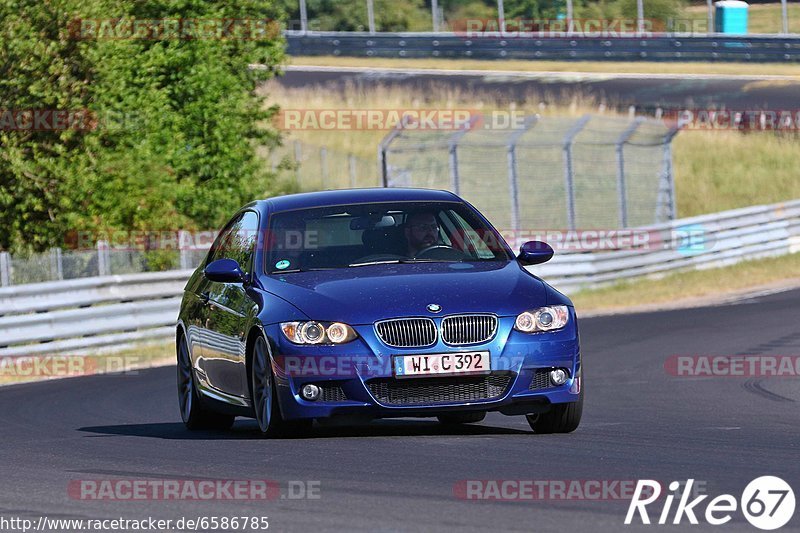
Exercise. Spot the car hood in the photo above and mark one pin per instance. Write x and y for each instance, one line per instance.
(362, 295)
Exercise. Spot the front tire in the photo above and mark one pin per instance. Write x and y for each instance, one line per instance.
(264, 397)
(194, 414)
(561, 418)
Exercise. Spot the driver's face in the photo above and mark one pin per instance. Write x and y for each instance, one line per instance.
(422, 231)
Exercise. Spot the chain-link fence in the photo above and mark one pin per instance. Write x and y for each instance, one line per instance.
(103, 260)
(552, 173)
(315, 168)
(590, 172)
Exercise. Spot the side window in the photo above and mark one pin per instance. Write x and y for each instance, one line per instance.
(237, 241)
(243, 244)
(474, 244)
(221, 244)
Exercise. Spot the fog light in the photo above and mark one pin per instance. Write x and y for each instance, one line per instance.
(310, 392)
(558, 376)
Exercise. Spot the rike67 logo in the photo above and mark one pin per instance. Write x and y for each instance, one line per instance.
(767, 503)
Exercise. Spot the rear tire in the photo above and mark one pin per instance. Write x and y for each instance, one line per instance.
(265, 398)
(194, 414)
(461, 418)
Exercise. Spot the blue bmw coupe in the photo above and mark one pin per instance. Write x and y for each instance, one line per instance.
(373, 303)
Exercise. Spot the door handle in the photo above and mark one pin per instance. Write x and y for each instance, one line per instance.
(205, 297)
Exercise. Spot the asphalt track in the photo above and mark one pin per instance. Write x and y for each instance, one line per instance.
(399, 475)
(646, 91)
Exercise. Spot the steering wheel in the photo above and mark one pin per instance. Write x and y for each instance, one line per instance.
(440, 251)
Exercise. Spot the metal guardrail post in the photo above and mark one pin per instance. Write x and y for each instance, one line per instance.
(513, 178)
(710, 16)
(639, 16)
(666, 187)
(351, 164)
(56, 265)
(383, 147)
(785, 17)
(501, 16)
(323, 166)
(371, 17)
(103, 266)
(183, 247)
(621, 188)
(5, 269)
(298, 155)
(435, 15)
(453, 151)
(303, 17)
(569, 185)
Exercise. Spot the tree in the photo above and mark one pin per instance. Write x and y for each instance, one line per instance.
(174, 122)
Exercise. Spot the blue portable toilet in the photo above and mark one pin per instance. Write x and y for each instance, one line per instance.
(731, 17)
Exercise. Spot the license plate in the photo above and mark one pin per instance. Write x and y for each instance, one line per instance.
(407, 366)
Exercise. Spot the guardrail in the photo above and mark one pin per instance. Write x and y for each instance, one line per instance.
(660, 47)
(112, 311)
(89, 313)
(719, 239)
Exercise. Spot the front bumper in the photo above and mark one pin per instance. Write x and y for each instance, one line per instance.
(356, 378)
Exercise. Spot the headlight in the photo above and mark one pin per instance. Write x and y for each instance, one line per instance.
(313, 332)
(542, 319)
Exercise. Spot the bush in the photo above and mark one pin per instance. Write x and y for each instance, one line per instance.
(177, 120)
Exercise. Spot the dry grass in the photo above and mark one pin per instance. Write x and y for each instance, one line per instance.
(615, 67)
(364, 143)
(714, 170)
(55, 366)
(690, 284)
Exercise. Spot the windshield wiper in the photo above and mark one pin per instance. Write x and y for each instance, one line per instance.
(381, 262)
(400, 262)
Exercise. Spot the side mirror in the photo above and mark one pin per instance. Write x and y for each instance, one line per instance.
(224, 271)
(534, 253)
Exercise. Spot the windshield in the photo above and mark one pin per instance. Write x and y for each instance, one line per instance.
(355, 235)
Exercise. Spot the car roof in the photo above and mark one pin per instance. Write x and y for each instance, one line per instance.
(357, 196)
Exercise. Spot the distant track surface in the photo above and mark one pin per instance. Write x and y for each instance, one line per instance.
(399, 475)
(647, 91)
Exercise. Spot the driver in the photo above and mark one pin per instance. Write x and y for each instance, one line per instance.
(421, 231)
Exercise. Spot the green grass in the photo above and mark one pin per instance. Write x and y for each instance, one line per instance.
(692, 284)
(762, 18)
(716, 171)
